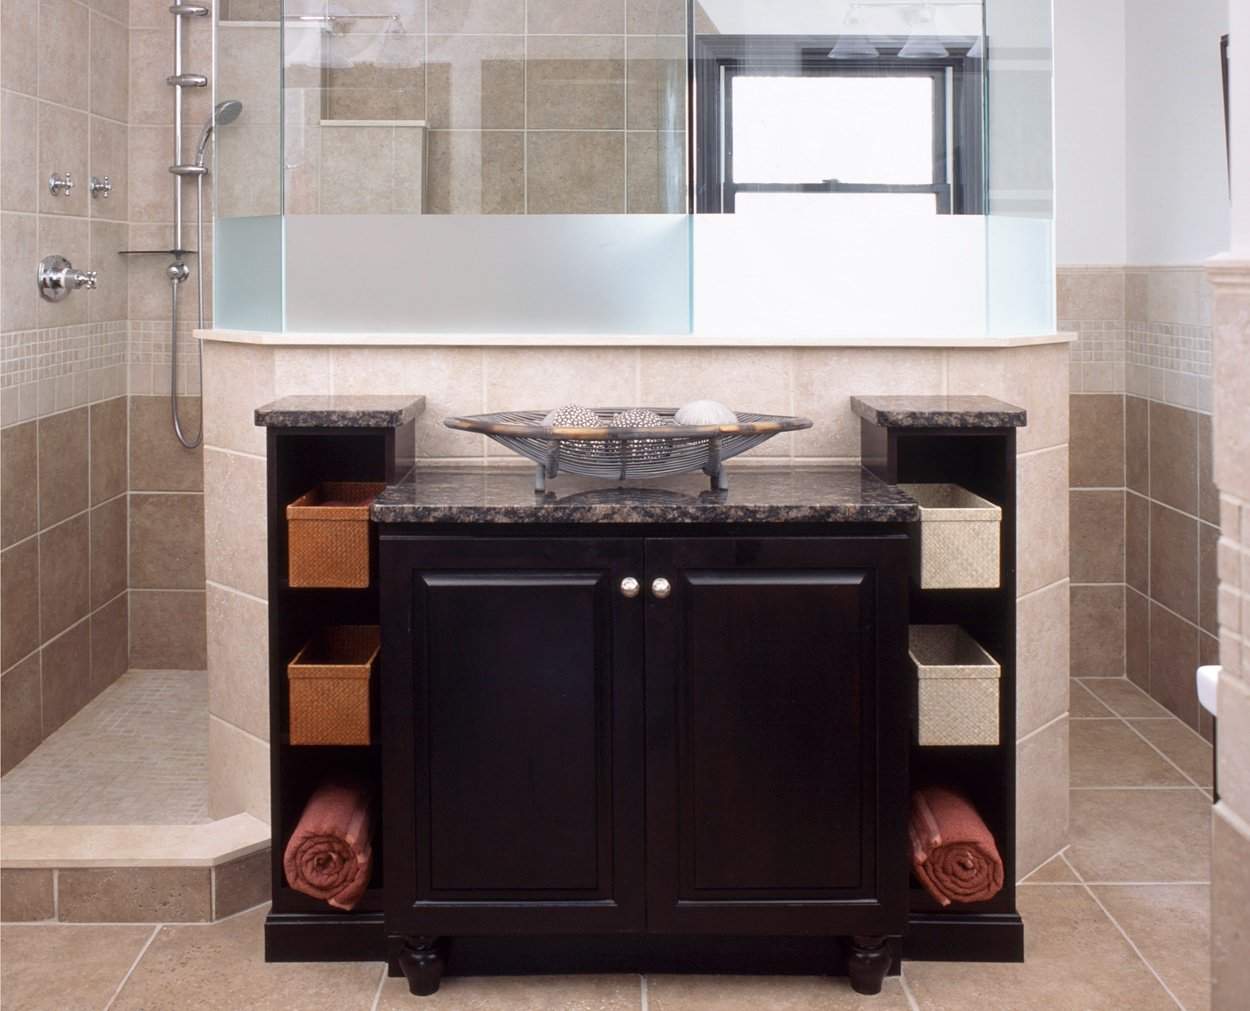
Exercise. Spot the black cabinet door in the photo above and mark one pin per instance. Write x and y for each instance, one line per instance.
(513, 735)
(776, 736)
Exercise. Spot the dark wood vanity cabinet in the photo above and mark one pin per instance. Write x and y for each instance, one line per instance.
(637, 742)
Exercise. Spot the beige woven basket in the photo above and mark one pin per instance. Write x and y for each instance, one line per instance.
(328, 682)
(959, 538)
(328, 535)
(958, 687)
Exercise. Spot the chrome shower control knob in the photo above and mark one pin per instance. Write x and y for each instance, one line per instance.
(60, 185)
(630, 587)
(57, 278)
(83, 279)
(101, 186)
(661, 587)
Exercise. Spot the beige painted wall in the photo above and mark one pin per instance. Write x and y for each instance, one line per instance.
(816, 382)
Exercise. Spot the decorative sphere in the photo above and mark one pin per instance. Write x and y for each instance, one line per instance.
(642, 450)
(705, 412)
(577, 416)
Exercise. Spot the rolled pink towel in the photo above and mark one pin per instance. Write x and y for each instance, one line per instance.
(330, 853)
(953, 851)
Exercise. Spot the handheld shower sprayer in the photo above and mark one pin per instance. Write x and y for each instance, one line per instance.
(223, 113)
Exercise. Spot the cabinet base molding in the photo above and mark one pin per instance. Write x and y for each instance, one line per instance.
(325, 937)
(964, 937)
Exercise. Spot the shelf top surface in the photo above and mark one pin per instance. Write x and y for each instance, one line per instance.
(939, 412)
(357, 411)
(845, 494)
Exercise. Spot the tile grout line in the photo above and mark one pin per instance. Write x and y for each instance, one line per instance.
(377, 994)
(912, 1003)
(134, 965)
(1163, 755)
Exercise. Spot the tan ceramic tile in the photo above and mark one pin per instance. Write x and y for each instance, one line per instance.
(1208, 578)
(33, 973)
(67, 686)
(1137, 444)
(1090, 294)
(1174, 657)
(1174, 560)
(1137, 542)
(655, 17)
(1234, 727)
(26, 895)
(476, 16)
(1083, 704)
(572, 172)
(1170, 924)
(158, 462)
(222, 965)
(591, 17)
(20, 704)
(19, 56)
(1108, 753)
(476, 82)
(1035, 378)
(1137, 638)
(1041, 795)
(134, 894)
(1174, 457)
(1041, 669)
(1097, 646)
(780, 993)
(108, 551)
(235, 534)
(63, 138)
(19, 493)
(1097, 440)
(1181, 745)
(241, 884)
(1042, 531)
(108, 449)
(19, 187)
(238, 660)
(1123, 697)
(63, 473)
(238, 772)
(64, 32)
(655, 171)
(1053, 871)
(1097, 536)
(64, 565)
(109, 301)
(167, 541)
(521, 993)
(150, 190)
(167, 630)
(110, 48)
(109, 642)
(1119, 835)
(19, 601)
(1230, 914)
(475, 173)
(18, 249)
(655, 83)
(1074, 958)
(237, 380)
(357, 169)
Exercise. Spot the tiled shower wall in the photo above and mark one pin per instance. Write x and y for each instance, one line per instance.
(1144, 509)
(83, 452)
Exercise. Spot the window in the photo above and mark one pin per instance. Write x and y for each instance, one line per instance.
(780, 123)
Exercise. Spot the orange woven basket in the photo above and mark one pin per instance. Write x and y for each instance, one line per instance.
(328, 535)
(328, 682)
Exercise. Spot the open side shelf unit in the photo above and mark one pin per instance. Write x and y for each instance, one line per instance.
(969, 441)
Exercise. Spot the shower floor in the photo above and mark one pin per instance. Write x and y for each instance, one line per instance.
(137, 754)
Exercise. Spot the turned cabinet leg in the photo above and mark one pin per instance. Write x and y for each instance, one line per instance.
(867, 963)
(421, 961)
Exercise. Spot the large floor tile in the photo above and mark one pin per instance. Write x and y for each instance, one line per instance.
(52, 966)
(1171, 926)
(1124, 697)
(1141, 835)
(1054, 871)
(1083, 704)
(767, 993)
(217, 966)
(1074, 959)
(519, 993)
(1181, 745)
(1108, 753)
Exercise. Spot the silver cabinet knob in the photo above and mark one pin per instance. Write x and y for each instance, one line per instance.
(630, 587)
(661, 587)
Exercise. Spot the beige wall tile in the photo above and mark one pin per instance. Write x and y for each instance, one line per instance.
(63, 471)
(21, 728)
(1137, 444)
(167, 541)
(167, 630)
(158, 462)
(241, 884)
(238, 660)
(110, 70)
(1230, 913)
(655, 83)
(19, 185)
(475, 173)
(108, 449)
(38, 954)
(63, 52)
(238, 772)
(1097, 534)
(357, 170)
(18, 251)
(235, 534)
(1208, 579)
(1234, 726)
(1174, 457)
(26, 895)
(1041, 796)
(1208, 492)
(237, 380)
(476, 16)
(1176, 296)
(62, 148)
(19, 493)
(67, 683)
(1090, 294)
(1042, 662)
(1232, 391)
(655, 172)
(64, 590)
(1042, 531)
(134, 894)
(151, 186)
(1097, 440)
(1174, 560)
(108, 551)
(476, 81)
(661, 17)
(575, 83)
(19, 56)
(19, 601)
(556, 17)
(109, 301)
(110, 627)
(1137, 638)
(575, 173)
(1137, 542)
(1098, 631)
(1034, 378)
(1174, 658)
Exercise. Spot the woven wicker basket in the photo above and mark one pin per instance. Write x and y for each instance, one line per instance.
(328, 535)
(328, 683)
(959, 538)
(958, 687)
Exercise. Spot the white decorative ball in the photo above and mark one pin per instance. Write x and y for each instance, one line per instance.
(642, 450)
(572, 416)
(705, 412)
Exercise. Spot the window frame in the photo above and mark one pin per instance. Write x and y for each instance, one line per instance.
(719, 59)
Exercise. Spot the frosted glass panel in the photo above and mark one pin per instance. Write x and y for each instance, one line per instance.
(247, 280)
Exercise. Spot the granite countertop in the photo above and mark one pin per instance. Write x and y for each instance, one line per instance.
(939, 412)
(844, 494)
(352, 411)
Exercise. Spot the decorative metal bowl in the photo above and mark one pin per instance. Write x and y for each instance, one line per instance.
(623, 453)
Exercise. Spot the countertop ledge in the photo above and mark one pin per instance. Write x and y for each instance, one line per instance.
(939, 412)
(361, 411)
(844, 494)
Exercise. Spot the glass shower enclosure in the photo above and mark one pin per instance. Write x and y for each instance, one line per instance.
(735, 169)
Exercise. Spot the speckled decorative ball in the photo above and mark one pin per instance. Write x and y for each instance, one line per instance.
(705, 412)
(577, 416)
(642, 450)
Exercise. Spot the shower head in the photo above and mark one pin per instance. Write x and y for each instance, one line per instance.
(223, 113)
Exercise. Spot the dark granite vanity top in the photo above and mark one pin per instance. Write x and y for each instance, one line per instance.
(939, 412)
(782, 495)
(340, 412)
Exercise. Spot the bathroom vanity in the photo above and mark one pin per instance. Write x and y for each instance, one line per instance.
(650, 728)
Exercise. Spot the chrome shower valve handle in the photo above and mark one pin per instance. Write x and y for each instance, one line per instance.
(60, 185)
(57, 278)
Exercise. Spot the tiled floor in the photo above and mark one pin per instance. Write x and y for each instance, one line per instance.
(1117, 922)
(137, 754)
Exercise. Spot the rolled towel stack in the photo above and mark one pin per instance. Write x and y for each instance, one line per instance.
(330, 854)
(953, 852)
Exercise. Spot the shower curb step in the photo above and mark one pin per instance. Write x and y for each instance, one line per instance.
(133, 873)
